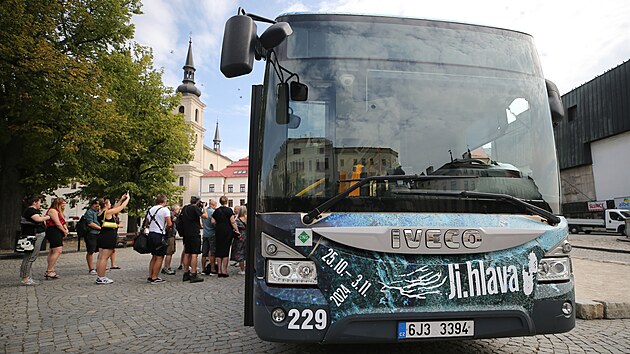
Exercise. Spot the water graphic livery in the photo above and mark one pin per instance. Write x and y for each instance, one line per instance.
(353, 281)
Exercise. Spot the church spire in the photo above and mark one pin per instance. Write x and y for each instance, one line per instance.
(217, 139)
(188, 84)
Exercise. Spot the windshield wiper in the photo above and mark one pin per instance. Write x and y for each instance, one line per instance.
(325, 206)
(548, 216)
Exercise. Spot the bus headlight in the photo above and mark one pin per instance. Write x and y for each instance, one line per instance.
(554, 269)
(291, 272)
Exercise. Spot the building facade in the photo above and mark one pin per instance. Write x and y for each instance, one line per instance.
(204, 158)
(593, 144)
(230, 181)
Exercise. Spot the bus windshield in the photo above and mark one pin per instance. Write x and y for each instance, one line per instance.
(407, 97)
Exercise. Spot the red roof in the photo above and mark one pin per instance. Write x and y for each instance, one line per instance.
(234, 170)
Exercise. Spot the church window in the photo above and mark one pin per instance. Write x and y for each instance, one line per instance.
(181, 181)
(181, 109)
(211, 167)
(196, 115)
(211, 188)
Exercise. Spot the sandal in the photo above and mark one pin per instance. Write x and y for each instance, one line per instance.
(51, 275)
(115, 267)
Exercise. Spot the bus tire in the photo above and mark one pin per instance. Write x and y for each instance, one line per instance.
(574, 229)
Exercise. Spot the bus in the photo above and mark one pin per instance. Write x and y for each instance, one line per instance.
(403, 181)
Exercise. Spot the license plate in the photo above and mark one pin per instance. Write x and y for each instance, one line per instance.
(435, 329)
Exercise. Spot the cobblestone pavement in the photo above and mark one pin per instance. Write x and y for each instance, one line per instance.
(72, 314)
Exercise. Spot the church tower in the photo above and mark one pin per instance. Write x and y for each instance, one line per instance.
(192, 108)
(217, 139)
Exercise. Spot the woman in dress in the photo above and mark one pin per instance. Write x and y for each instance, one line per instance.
(32, 224)
(225, 226)
(56, 230)
(107, 238)
(238, 246)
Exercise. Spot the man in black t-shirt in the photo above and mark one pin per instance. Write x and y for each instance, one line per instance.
(190, 216)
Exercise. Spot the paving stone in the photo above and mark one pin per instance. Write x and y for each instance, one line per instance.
(72, 314)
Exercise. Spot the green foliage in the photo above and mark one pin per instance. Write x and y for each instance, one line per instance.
(151, 138)
(79, 102)
(50, 87)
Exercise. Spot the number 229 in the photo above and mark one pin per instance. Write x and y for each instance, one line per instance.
(320, 316)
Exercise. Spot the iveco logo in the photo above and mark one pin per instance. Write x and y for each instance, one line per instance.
(436, 238)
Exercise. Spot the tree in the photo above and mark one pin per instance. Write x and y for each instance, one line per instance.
(141, 155)
(54, 109)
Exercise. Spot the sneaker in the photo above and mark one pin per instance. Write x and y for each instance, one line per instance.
(186, 276)
(158, 280)
(180, 267)
(93, 272)
(29, 281)
(241, 272)
(103, 280)
(170, 271)
(163, 271)
(195, 279)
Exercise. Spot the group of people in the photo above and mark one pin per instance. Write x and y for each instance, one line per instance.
(224, 233)
(52, 226)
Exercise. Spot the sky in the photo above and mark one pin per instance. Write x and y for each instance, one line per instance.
(577, 40)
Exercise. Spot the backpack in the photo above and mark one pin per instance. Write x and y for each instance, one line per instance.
(179, 222)
(82, 227)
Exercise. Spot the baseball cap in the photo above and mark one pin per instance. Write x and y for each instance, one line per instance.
(94, 201)
(194, 199)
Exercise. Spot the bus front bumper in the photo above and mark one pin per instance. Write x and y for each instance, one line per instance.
(545, 317)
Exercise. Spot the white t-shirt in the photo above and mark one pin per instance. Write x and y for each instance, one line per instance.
(160, 213)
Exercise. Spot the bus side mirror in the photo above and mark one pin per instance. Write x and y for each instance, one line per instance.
(555, 102)
(238, 49)
(299, 91)
(282, 103)
(275, 34)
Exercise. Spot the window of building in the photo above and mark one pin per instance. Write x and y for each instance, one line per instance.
(211, 167)
(211, 188)
(230, 188)
(196, 115)
(230, 203)
(242, 201)
(571, 113)
(297, 151)
(181, 181)
(181, 109)
(242, 188)
(341, 162)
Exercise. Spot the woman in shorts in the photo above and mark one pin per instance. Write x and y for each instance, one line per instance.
(108, 236)
(56, 230)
